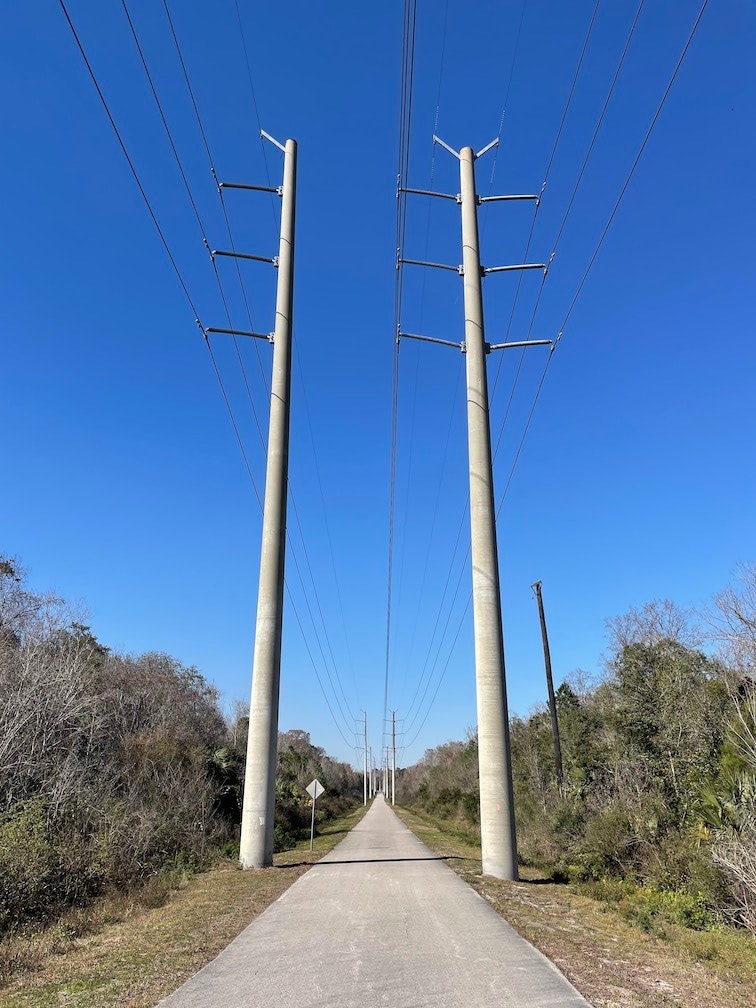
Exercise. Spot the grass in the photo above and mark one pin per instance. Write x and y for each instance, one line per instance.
(132, 950)
(616, 956)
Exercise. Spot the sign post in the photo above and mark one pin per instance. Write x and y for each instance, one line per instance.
(314, 790)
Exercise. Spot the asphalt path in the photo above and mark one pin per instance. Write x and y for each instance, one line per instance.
(380, 921)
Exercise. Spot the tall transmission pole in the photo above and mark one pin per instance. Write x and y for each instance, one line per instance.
(550, 686)
(256, 848)
(497, 820)
(365, 764)
(393, 757)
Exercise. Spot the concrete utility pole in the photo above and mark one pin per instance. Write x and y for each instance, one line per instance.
(393, 757)
(550, 687)
(365, 764)
(497, 822)
(256, 849)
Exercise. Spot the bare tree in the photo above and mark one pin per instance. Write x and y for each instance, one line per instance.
(732, 623)
(657, 621)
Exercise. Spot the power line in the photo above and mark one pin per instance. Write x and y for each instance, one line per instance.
(600, 120)
(211, 163)
(326, 523)
(434, 516)
(185, 289)
(256, 108)
(320, 611)
(263, 442)
(430, 203)
(550, 163)
(405, 129)
(501, 125)
(131, 165)
(555, 147)
(635, 164)
(194, 208)
(505, 106)
(441, 679)
(570, 204)
(576, 296)
(604, 233)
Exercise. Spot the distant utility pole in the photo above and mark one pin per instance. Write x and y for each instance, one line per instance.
(365, 764)
(256, 848)
(497, 821)
(393, 757)
(550, 686)
(372, 781)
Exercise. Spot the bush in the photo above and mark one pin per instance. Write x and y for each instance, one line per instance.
(651, 908)
(46, 864)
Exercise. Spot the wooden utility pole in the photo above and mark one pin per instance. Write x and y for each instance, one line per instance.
(550, 687)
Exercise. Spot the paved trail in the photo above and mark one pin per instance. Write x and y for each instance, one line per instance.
(380, 921)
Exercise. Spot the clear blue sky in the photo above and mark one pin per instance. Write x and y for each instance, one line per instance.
(123, 484)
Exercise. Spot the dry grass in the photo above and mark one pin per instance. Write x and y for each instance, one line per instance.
(132, 951)
(611, 961)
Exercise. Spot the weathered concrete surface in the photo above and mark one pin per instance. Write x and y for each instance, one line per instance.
(380, 921)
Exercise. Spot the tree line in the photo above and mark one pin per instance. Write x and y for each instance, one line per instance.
(116, 767)
(659, 760)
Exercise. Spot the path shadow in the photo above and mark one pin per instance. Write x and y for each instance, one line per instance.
(327, 864)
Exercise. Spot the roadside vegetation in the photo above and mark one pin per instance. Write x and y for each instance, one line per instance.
(657, 815)
(595, 938)
(130, 950)
(119, 774)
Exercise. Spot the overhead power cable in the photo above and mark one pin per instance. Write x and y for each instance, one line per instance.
(405, 128)
(263, 441)
(581, 284)
(329, 538)
(638, 156)
(226, 219)
(567, 212)
(555, 147)
(193, 203)
(505, 105)
(257, 110)
(184, 286)
(549, 165)
(130, 164)
(430, 203)
(605, 231)
(596, 130)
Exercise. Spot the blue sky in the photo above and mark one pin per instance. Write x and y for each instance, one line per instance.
(124, 487)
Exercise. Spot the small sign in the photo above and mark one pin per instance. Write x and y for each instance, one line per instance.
(315, 789)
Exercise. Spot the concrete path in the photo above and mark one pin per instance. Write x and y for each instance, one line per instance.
(380, 921)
